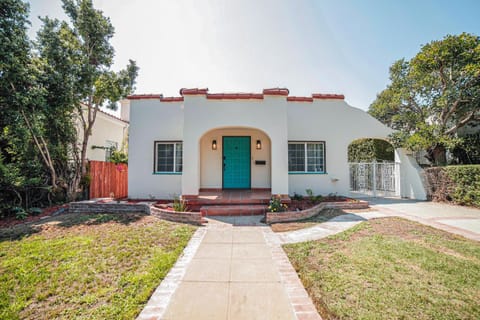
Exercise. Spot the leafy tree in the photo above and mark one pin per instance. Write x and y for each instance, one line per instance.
(20, 167)
(433, 95)
(46, 90)
(79, 58)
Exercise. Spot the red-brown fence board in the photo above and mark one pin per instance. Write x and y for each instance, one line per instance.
(108, 180)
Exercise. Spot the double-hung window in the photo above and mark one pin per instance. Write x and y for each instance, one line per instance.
(168, 157)
(306, 157)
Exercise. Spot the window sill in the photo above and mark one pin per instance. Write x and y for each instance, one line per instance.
(307, 173)
(167, 173)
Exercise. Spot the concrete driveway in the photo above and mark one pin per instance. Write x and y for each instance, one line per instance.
(460, 220)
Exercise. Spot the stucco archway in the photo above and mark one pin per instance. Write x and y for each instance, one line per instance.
(212, 161)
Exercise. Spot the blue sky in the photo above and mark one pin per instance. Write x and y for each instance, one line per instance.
(334, 46)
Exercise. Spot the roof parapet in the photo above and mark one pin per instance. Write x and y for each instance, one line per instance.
(144, 96)
(193, 91)
(328, 96)
(276, 92)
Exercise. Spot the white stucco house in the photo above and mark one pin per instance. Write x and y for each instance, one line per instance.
(109, 132)
(260, 141)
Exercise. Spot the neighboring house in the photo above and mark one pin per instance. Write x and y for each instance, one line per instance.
(109, 133)
(270, 140)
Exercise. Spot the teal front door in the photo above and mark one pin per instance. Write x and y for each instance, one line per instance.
(236, 162)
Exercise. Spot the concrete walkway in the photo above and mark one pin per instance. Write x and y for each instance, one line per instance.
(460, 220)
(231, 272)
(463, 221)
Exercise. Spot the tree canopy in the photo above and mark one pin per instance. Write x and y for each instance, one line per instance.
(433, 95)
(48, 88)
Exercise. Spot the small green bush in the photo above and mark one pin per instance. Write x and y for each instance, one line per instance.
(276, 205)
(179, 205)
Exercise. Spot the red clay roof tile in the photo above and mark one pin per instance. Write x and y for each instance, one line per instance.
(171, 99)
(219, 96)
(300, 99)
(193, 91)
(144, 96)
(328, 96)
(276, 91)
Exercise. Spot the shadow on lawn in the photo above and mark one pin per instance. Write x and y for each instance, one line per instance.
(67, 220)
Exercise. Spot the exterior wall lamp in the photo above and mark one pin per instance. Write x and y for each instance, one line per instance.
(214, 144)
(259, 145)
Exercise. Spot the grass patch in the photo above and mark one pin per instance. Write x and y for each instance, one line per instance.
(323, 216)
(97, 266)
(391, 268)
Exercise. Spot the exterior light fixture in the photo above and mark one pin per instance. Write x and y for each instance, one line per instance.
(214, 144)
(259, 144)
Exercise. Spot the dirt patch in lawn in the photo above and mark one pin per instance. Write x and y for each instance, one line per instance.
(391, 268)
(323, 216)
(89, 266)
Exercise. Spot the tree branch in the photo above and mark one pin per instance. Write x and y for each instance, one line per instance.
(461, 123)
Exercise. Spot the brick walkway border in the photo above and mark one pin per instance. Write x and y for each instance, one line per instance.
(302, 304)
(160, 298)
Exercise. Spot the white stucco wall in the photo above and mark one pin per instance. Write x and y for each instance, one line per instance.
(202, 115)
(338, 124)
(105, 128)
(152, 121)
(211, 160)
(197, 121)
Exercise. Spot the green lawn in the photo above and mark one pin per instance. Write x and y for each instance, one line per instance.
(100, 266)
(391, 269)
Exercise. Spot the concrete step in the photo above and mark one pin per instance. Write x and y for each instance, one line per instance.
(233, 210)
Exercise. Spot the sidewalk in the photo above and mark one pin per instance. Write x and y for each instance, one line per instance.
(234, 273)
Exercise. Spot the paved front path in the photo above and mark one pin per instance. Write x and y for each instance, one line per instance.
(231, 272)
(463, 221)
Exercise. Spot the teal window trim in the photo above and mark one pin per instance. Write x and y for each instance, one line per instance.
(167, 173)
(177, 146)
(305, 156)
(306, 172)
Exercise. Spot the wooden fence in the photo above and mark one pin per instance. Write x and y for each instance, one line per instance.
(108, 180)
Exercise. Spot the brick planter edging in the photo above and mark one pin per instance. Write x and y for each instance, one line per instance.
(184, 217)
(110, 207)
(289, 216)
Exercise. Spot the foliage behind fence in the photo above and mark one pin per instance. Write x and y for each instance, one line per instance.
(108, 179)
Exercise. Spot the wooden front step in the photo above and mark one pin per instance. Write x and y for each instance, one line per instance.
(233, 210)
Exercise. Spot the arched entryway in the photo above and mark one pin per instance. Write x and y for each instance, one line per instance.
(235, 158)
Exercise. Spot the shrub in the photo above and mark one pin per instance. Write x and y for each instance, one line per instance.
(297, 196)
(179, 205)
(276, 205)
(313, 198)
(20, 213)
(370, 150)
(459, 184)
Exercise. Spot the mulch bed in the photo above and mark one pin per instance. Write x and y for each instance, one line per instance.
(47, 212)
(307, 203)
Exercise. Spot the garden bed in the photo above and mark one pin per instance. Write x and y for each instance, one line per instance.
(312, 209)
(46, 213)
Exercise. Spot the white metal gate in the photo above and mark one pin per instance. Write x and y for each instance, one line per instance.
(377, 179)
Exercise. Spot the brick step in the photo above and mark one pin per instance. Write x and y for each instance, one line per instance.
(233, 210)
(196, 204)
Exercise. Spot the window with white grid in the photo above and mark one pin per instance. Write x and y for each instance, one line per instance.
(307, 157)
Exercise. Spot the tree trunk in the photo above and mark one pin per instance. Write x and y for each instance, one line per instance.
(437, 155)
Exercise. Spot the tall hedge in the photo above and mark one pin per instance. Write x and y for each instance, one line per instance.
(457, 184)
(368, 150)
